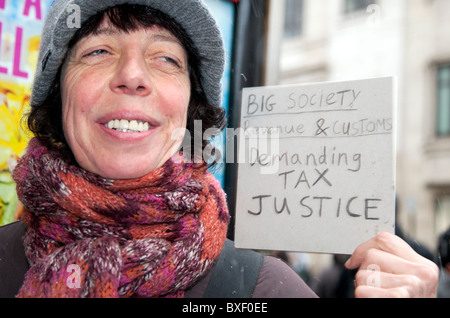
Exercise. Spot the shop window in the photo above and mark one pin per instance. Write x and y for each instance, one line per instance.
(293, 22)
(443, 100)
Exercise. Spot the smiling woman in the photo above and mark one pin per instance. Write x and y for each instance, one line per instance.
(112, 208)
(143, 75)
(104, 187)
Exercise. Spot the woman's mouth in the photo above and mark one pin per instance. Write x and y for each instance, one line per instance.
(128, 126)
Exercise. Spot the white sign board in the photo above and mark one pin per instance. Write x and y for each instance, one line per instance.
(316, 166)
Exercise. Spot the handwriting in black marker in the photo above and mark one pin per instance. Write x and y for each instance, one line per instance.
(320, 129)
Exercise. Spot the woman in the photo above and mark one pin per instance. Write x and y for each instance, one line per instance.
(113, 208)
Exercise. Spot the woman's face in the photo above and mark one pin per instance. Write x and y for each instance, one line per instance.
(125, 98)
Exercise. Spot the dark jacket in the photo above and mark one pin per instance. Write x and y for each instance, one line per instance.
(275, 280)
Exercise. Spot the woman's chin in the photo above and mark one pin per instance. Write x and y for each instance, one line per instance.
(129, 170)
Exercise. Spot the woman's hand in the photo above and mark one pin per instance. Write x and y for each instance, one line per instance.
(389, 267)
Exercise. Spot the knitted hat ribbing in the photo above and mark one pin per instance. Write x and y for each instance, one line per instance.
(192, 15)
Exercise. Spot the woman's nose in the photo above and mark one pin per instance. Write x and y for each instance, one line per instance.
(131, 77)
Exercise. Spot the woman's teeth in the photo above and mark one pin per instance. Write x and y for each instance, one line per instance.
(132, 126)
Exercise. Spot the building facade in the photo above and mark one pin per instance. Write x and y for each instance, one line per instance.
(337, 40)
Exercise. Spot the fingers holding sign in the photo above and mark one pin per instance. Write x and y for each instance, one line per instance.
(389, 267)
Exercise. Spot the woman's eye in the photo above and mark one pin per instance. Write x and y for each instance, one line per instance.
(169, 60)
(97, 52)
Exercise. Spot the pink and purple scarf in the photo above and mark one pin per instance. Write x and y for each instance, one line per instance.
(93, 237)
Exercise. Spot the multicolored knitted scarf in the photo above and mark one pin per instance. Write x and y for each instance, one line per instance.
(93, 237)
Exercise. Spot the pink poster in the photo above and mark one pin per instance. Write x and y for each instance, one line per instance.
(21, 23)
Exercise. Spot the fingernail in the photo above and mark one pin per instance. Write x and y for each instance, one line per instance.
(348, 263)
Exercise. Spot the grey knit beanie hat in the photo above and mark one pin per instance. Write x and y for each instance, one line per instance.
(192, 15)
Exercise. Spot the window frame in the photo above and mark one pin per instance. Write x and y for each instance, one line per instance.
(297, 33)
(442, 129)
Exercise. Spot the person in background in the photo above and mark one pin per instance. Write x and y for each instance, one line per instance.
(335, 281)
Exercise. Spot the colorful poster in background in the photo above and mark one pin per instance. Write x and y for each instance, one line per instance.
(21, 23)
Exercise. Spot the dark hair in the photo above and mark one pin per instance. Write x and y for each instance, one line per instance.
(45, 120)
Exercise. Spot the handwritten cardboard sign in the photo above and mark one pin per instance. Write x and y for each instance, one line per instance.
(316, 168)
